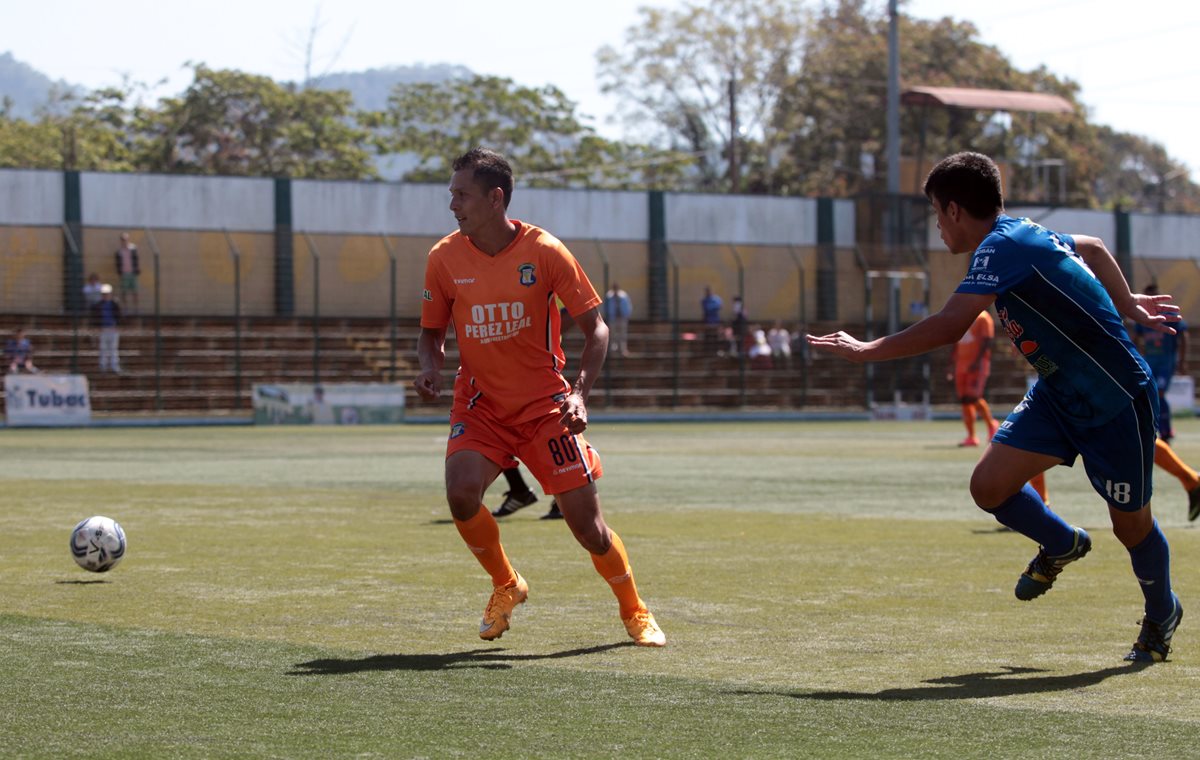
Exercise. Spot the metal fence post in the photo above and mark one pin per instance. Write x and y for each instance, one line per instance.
(603, 304)
(741, 348)
(237, 317)
(392, 316)
(316, 319)
(158, 399)
(74, 308)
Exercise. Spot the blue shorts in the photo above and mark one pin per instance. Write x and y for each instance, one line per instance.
(1118, 456)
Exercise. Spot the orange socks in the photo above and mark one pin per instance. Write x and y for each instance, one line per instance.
(613, 566)
(968, 417)
(985, 412)
(1166, 458)
(1039, 484)
(482, 535)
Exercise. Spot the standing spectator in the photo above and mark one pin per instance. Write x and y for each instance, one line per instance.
(128, 271)
(106, 315)
(617, 310)
(91, 291)
(18, 353)
(1166, 354)
(710, 306)
(971, 359)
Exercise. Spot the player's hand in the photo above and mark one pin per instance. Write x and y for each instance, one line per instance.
(840, 344)
(428, 384)
(574, 413)
(1155, 312)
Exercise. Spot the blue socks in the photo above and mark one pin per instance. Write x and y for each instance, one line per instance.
(1152, 566)
(1027, 514)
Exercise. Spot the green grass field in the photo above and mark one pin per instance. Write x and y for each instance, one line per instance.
(828, 590)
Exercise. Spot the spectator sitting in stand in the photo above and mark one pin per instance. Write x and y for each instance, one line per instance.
(759, 352)
(91, 291)
(18, 353)
(780, 341)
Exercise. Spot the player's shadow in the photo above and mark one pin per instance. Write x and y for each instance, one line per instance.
(80, 583)
(491, 658)
(1003, 683)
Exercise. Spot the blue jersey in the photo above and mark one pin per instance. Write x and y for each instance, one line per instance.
(1160, 349)
(1061, 319)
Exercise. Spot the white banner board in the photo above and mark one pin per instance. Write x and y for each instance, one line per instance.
(332, 404)
(1182, 394)
(46, 400)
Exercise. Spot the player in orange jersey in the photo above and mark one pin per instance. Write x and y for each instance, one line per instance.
(972, 359)
(496, 280)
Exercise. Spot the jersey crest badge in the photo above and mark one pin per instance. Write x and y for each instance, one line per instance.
(526, 271)
(427, 295)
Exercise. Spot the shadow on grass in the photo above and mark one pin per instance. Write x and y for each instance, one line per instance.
(975, 685)
(491, 658)
(992, 530)
(80, 583)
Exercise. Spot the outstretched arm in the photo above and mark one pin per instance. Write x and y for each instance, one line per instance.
(942, 328)
(1154, 312)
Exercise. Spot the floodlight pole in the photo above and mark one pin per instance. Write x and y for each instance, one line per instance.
(893, 100)
(892, 227)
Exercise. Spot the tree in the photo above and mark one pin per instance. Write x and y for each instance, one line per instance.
(233, 123)
(537, 128)
(834, 110)
(705, 79)
(1145, 178)
(89, 132)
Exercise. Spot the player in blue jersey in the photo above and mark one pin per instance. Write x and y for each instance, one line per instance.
(1061, 299)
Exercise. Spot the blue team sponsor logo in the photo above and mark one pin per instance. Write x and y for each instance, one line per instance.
(526, 271)
(426, 294)
(983, 258)
(457, 429)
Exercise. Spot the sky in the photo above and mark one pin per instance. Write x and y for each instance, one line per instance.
(1139, 69)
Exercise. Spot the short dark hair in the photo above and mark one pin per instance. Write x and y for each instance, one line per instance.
(489, 168)
(972, 180)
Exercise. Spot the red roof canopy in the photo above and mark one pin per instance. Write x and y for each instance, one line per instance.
(993, 100)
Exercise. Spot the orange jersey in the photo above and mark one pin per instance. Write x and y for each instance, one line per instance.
(506, 319)
(966, 351)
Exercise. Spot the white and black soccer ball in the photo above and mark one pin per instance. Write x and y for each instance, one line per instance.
(97, 544)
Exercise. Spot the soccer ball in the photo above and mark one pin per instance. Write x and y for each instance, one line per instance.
(97, 544)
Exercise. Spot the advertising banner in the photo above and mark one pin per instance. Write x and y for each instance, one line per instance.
(46, 400)
(332, 404)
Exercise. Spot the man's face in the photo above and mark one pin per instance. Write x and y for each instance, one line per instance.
(472, 205)
(949, 220)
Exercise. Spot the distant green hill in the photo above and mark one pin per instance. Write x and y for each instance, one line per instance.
(29, 89)
(371, 88)
(25, 87)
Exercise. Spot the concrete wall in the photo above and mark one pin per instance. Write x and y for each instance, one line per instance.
(31, 198)
(135, 201)
(350, 232)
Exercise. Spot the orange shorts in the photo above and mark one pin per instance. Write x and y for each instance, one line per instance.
(559, 460)
(969, 385)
